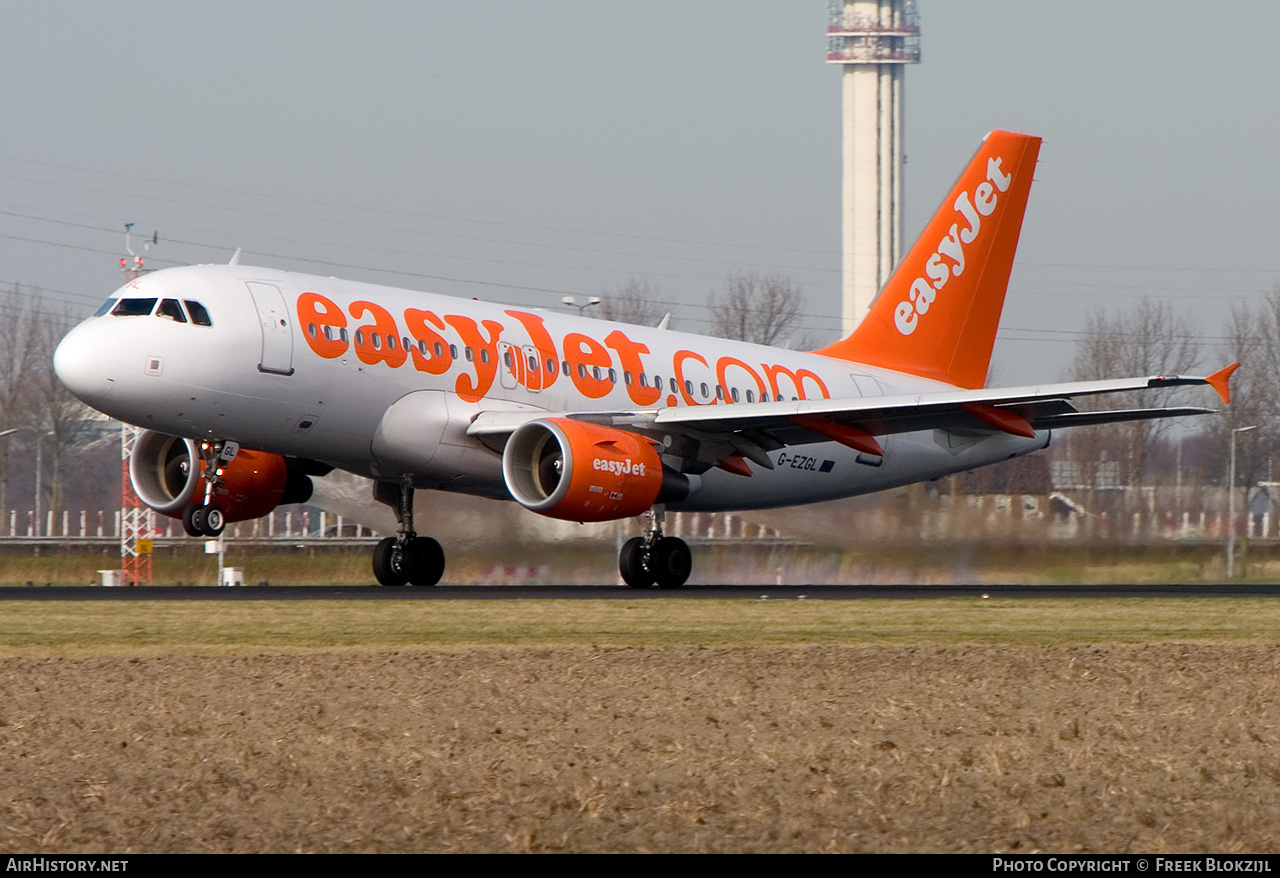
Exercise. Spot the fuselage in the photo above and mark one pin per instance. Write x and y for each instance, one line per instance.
(384, 382)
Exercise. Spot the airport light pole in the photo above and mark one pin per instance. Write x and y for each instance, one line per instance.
(4, 487)
(1231, 502)
(39, 442)
(582, 309)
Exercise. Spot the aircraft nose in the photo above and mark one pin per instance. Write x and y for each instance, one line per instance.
(78, 363)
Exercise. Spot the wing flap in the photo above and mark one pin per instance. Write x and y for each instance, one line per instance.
(945, 409)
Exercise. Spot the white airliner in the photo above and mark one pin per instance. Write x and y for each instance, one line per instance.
(250, 381)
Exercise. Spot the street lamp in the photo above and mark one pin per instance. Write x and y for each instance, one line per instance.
(573, 303)
(1231, 502)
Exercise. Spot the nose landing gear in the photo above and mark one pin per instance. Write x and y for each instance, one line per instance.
(209, 519)
(204, 521)
(655, 559)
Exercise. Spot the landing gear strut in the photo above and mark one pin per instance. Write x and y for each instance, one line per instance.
(406, 557)
(208, 519)
(654, 558)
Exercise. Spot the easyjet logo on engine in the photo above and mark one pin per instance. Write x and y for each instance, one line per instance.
(947, 260)
(521, 351)
(624, 467)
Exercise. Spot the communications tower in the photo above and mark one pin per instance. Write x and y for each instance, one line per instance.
(873, 41)
(136, 520)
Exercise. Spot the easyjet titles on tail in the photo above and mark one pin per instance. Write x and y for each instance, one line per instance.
(907, 315)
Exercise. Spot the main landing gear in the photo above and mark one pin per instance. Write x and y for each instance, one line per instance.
(406, 557)
(655, 559)
(208, 519)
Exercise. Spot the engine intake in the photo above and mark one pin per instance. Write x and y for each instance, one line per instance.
(167, 474)
(579, 471)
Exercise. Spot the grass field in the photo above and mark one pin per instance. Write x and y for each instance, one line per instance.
(95, 628)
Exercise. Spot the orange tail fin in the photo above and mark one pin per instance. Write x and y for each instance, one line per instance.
(937, 316)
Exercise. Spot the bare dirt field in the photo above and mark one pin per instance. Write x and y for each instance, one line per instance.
(1118, 748)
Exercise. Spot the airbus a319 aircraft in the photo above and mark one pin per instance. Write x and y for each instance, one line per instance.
(249, 382)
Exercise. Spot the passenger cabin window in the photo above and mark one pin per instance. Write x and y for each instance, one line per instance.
(199, 316)
(172, 310)
(134, 307)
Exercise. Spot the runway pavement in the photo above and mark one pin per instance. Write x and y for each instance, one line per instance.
(616, 592)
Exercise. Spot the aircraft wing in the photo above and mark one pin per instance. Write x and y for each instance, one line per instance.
(1040, 406)
(753, 429)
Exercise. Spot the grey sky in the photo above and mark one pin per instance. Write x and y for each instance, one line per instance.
(526, 151)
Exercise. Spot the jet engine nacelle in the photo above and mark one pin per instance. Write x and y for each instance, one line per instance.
(168, 475)
(579, 471)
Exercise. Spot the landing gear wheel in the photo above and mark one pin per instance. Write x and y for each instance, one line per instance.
(214, 520)
(631, 564)
(424, 562)
(197, 520)
(188, 521)
(388, 563)
(671, 562)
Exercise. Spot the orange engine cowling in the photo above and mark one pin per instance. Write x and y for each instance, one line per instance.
(167, 475)
(579, 471)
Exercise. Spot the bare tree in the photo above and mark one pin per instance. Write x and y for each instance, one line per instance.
(33, 403)
(759, 308)
(1251, 338)
(1148, 339)
(62, 418)
(19, 360)
(632, 302)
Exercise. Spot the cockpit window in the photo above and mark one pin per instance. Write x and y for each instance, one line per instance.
(171, 309)
(199, 316)
(106, 306)
(134, 307)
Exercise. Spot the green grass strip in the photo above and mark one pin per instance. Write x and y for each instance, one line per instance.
(92, 628)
